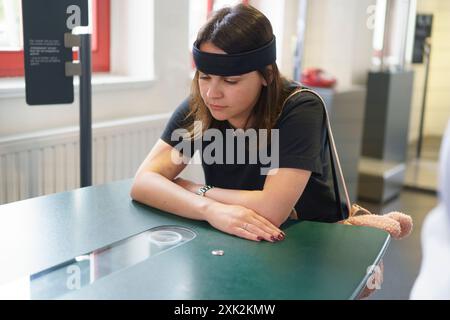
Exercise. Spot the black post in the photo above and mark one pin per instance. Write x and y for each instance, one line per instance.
(85, 112)
(427, 49)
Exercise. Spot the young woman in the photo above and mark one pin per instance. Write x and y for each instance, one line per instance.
(237, 85)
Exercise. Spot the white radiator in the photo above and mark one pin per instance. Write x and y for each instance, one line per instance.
(48, 162)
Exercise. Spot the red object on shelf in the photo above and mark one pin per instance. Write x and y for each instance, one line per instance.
(315, 77)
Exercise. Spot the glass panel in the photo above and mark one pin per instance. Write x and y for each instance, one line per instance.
(86, 269)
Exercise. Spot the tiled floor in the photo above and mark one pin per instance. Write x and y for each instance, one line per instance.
(403, 257)
(422, 173)
(430, 148)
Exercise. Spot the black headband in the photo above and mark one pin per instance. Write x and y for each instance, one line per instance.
(237, 63)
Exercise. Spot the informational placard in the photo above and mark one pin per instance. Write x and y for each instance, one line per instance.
(44, 24)
(423, 30)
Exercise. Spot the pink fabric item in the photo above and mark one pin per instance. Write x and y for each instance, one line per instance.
(390, 225)
(405, 221)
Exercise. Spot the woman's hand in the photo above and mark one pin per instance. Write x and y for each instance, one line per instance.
(236, 220)
(242, 222)
(188, 185)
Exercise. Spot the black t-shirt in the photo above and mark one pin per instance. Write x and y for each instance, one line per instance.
(303, 144)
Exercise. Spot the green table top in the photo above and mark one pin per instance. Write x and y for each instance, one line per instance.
(315, 261)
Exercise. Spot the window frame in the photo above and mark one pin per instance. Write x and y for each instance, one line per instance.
(210, 5)
(12, 62)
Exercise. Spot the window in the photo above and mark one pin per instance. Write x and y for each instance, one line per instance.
(199, 12)
(11, 47)
(9, 25)
(217, 4)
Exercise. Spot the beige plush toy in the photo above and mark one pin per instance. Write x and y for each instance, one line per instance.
(397, 224)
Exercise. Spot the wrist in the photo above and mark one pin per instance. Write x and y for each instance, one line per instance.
(207, 207)
(195, 187)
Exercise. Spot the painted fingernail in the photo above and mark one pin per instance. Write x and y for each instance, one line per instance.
(273, 238)
(259, 238)
(280, 236)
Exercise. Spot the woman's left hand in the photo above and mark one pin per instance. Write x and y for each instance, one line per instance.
(188, 185)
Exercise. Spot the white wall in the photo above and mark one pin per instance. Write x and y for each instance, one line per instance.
(131, 43)
(338, 39)
(142, 32)
(135, 42)
(283, 17)
(438, 98)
